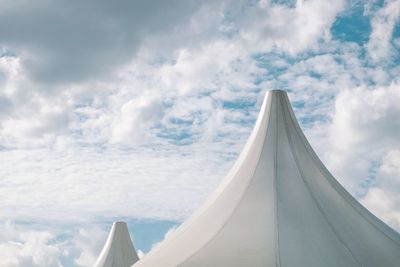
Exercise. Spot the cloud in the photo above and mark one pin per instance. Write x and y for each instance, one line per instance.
(135, 118)
(200, 100)
(208, 68)
(364, 127)
(50, 118)
(22, 247)
(55, 186)
(292, 29)
(88, 242)
(93, 110)
(101, 104)
(29, 245)
(383, 198)
(73, 41)
(379, 46)
(167, 235)
(201, 95)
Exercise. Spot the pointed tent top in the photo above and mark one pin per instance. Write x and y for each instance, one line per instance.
(118, 250)
(280, 91)
(279, 206)
(273, 94)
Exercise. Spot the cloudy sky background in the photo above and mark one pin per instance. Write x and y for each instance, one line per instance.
(135, 110)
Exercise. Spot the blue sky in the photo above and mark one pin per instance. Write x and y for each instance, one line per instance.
(135, 110)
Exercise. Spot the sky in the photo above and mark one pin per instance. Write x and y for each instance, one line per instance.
(135, 110)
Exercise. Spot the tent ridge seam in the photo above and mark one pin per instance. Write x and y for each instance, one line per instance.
(275, 185)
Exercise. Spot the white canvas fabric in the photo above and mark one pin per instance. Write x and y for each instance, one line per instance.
(118, 250)
(279, 206)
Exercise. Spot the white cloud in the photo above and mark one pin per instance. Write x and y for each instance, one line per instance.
(167, 235)
(383, 198)
(21, 247)
(380, 46)
(289, 29)
(213, 65)
(364, 127)
(208, 68)
(383, 205)
(135, 118)
(80, 185)
(89, 242)
(49, 118)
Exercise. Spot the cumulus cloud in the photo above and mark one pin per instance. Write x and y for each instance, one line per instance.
(30, 245)
(135, 117)
(364, 127)
(50, 118)
(88, 242)
(23, 247)
(383, 197)
(215, 66)
(289, 28)
(380, 46)
(167, 235)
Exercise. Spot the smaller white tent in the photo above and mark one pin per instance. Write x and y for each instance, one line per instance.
(118, 250)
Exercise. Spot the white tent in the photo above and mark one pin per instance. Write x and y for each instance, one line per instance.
(279, 206)
(118, 250)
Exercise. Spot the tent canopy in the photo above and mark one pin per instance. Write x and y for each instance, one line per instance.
(279, 206)
(118, 250)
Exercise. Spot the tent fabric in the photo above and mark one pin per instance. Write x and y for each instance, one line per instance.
(279, 206)
(118, 250)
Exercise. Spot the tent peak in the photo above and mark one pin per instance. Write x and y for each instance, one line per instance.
(275, 95)
(118, 250)
(278, 91)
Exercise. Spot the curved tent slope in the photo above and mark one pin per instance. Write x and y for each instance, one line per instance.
(279, 206)
(118, 250)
